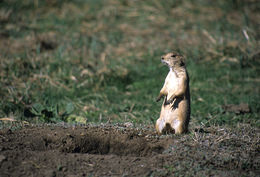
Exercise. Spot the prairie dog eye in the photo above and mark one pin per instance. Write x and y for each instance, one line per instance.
(173, 55)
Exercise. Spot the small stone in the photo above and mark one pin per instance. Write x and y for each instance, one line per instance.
(2, 158)
(128, 124)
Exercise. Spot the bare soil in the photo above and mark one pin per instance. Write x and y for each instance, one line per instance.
(117, 150)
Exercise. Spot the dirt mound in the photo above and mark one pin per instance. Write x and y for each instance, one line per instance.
(113, 150)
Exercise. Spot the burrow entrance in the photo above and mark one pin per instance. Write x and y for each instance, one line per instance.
(100, 142)
(110, 145)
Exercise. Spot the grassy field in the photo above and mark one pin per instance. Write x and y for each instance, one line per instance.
(99, 61)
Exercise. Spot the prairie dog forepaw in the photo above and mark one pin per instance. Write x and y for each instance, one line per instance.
(159, 98)
(170, 100)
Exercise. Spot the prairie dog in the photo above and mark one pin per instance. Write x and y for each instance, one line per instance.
(175, 111)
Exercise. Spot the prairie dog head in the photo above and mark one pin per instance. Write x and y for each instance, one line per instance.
(173, 60)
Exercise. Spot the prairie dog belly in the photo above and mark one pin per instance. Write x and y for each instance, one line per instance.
(170, 114)
(174, 117)
(172, 83)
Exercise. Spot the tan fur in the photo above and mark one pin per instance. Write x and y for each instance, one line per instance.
(175, 111)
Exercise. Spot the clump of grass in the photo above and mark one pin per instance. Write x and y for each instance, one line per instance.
(102, 59)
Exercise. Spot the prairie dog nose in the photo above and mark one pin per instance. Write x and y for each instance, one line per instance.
(162, 58)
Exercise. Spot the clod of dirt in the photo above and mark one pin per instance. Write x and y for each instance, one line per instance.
(47, 41)
(237, 109)
(4, 35)
(2, 158)
(47, 45)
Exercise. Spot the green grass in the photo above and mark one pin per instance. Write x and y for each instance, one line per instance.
(103, 60)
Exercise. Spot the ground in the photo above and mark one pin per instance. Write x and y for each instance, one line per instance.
(125, 150)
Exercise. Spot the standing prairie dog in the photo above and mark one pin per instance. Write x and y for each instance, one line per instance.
(175, 111)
